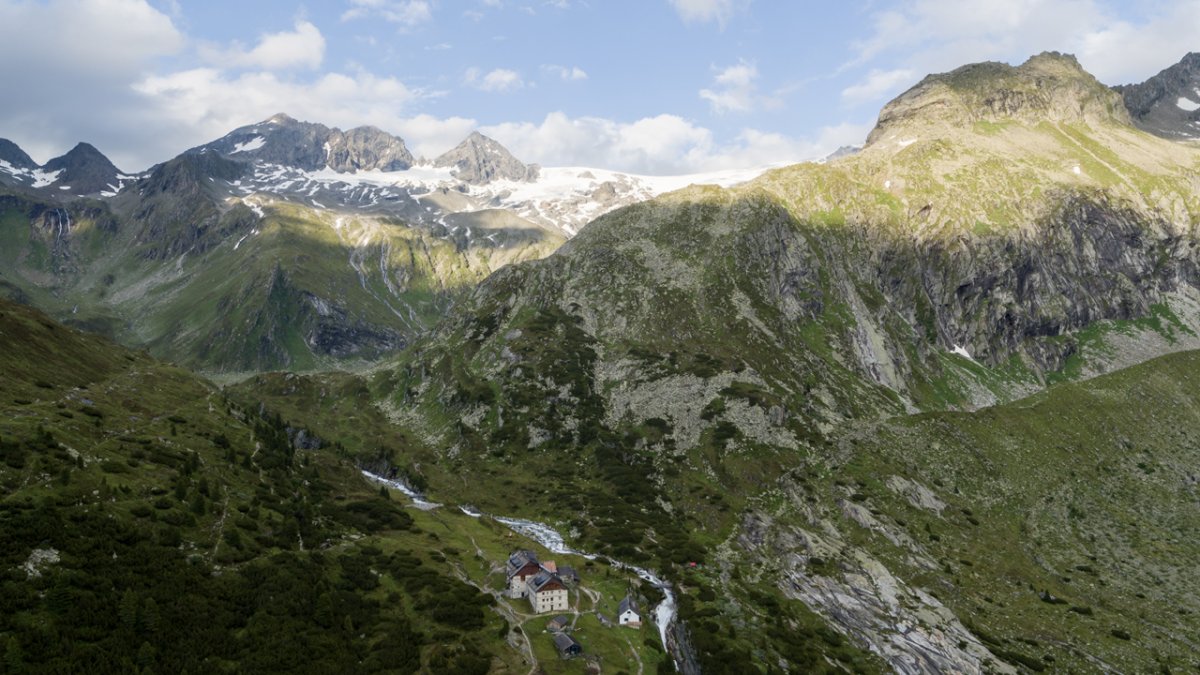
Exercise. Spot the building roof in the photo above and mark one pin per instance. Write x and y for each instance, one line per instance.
(559, 621)
(627, 604)
(544, 581)
(565, 642)
(568, 572)
(550, 566)
(520, 560)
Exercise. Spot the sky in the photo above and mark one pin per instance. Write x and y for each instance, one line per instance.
(646, 86)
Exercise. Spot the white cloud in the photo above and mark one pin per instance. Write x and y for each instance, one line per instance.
(1123, 51)
(735, 89)
(210, 100)
(572, 74)
(407, 13)
(877, 84)
(192, 107)
(89, 37)
(429, 136)
(498, 80)
(663, 145)
(708, 10)
(302, 48)
(926, 36)
(63, 62)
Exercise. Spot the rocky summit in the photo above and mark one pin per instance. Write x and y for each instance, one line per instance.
(1168, 104)
(480, 160)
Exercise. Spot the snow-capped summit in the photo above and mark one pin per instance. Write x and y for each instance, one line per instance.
(83, 171)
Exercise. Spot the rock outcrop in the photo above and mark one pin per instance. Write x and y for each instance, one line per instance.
(287, 142)
(84, 169)
(480, 160)
(1168, 104)
(12, 153)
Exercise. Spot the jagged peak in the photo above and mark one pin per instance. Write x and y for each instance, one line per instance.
(1050, 86)
(1167, 104)
(479, 159)
(280, 118)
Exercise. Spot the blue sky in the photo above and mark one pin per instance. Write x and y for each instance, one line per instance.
(654, 86)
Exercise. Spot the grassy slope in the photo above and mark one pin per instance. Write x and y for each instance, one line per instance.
(1087, 492)
(221, 309)
(191, 536)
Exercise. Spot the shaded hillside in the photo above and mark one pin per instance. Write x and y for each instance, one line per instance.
(148, 524)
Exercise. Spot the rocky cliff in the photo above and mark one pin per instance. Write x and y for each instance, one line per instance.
(287, 142)
(1168, 104)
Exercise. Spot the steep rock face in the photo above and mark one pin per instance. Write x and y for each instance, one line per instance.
(480, 160)
(84, 169)
(177, 206)
(367, 148)
(1168, 104)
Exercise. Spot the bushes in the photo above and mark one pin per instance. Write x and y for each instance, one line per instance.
(374, 515)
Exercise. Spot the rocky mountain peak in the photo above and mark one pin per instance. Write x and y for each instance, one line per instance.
(85, 169)
(1048, 87)
(1168, 104)
(367, 148)
(286, 141)
(13, 154)
(480, 160)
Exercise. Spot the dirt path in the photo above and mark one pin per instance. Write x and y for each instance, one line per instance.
(219, 529)
(636, 655)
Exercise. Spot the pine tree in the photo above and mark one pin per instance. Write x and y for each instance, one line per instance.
(128, 609)
(150, 615)
(14, 658)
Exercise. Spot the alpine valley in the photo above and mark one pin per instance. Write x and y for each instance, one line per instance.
(927, 406)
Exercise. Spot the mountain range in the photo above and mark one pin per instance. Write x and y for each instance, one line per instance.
(924, 406)
(207, 259)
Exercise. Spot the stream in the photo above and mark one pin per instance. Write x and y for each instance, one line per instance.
(664, 613)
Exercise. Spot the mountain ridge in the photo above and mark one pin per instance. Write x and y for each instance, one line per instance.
(1167, 104)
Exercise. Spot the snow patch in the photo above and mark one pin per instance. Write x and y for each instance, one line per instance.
(42, 179)
(962, 351)
(1077, 170)
(252, 144)
(1187, 104)
(906, 142)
